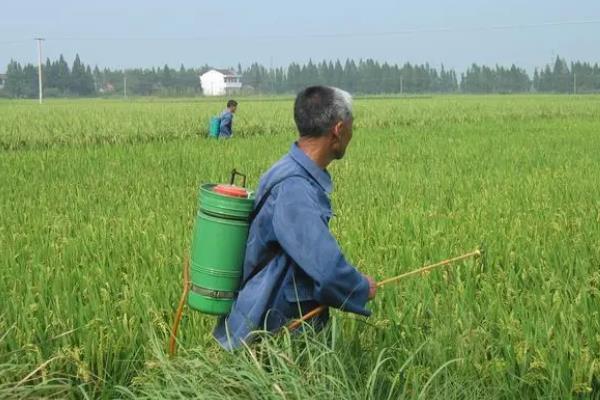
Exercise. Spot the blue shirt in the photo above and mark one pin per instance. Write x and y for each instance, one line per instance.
(225, 128)
(304, 267)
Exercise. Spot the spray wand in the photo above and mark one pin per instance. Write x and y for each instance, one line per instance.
(319, 310)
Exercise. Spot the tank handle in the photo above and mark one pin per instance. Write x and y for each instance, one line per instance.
(233, 175)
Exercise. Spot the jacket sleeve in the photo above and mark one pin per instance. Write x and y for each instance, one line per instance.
(225, 127)
(304, 235)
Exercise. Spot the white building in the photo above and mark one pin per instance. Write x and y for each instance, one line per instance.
(2, 81)
(220, 82)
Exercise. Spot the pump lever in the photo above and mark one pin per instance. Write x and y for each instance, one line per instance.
(234, 172)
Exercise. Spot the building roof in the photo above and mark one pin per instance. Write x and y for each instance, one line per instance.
(226, 72)
(2, 76)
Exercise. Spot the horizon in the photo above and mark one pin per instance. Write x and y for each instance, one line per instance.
(315, 62)
(142, 35)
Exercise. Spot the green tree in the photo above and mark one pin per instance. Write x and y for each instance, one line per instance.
(14, 79)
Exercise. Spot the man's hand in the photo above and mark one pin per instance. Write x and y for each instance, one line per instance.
(372, 287)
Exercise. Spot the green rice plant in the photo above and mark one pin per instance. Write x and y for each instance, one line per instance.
(96, 206)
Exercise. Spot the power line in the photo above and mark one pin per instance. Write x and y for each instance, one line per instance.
(461, 29)
(326, 35)
(13, 41)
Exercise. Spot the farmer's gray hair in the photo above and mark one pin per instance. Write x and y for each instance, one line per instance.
(318, 108)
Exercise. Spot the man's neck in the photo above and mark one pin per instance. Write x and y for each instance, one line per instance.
(315, 150)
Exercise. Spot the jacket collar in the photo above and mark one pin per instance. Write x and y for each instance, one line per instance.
(321, 176)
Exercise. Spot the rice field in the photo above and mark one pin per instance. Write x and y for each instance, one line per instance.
(97, 199)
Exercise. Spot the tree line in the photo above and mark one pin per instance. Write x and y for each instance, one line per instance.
(361, 77)
(365, 76)
(62, 80)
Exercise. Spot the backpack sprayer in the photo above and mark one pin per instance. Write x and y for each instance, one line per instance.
(214, 126)
(225, 212)
(218, 247)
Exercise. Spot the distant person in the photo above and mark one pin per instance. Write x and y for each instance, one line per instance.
(226, 127)
(293, 263)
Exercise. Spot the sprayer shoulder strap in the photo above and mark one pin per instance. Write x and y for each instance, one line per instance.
(265, 197)
(275, 251)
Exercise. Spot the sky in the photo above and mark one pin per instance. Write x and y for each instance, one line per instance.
(134, 33)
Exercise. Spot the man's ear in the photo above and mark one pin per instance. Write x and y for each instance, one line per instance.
(337, 130)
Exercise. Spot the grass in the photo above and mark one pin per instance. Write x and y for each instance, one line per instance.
(96, 210)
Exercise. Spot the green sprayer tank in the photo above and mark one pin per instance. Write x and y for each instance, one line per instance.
(219, 244)
(214, 127)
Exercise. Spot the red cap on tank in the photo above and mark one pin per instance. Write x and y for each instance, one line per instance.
(231, 190)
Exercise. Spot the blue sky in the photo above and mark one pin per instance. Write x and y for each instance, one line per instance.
(147, 33)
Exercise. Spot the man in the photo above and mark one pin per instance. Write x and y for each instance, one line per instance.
(225, 128)
(293, 263)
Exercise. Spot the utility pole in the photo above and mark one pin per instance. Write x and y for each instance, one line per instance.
(574, 83)
(40, 40)
(401, 85)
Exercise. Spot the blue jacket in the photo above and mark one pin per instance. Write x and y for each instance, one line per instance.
(304, 266)
(225, 128)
